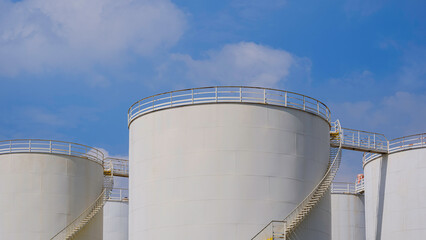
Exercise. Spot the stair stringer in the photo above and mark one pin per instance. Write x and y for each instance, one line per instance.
(70, 231)
(296, 217)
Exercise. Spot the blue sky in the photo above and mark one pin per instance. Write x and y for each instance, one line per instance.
(69, 70)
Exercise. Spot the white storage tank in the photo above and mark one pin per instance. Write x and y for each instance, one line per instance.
(222, 162)
(347, 212)
(395, 190)
(116, 215)
(45, 185)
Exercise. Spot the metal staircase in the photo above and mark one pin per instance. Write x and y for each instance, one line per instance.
(70, 231)
(296, 217)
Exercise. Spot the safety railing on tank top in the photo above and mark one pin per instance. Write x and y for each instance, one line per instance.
(351, 188)
(51, 146)
(228, 94)
(359, 185)
(119, 194)
(342, 187)
(400, 144)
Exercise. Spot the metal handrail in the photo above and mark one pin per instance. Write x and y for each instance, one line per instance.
(120, 165)
(65, 232)
(90, 212)
(342, 187)
(274, 230)
(51, 146)
(305, 206)
(364, 140)
(351, 188)
(359, 186)
(400, 144)
(320, 188)
(227, 94)
(119, 194)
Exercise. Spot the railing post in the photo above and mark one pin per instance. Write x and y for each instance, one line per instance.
(359, 142)
(50, 146)
(264, 95)
(69, 148)
(192, 95)
(285, 99)
(369, 142)
(215, 91)
(318, 107)
(29, 145)
(285, 228)
(241, 95)
(10, 146)
(153, 103)
(304, 103)
(374, 141)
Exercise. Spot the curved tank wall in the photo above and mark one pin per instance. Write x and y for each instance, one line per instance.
(395, 193)
(41, 193)
(347, 216)
(223, 171)
(116, 220)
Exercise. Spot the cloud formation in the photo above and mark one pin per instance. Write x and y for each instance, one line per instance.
(400, 114)
(41, 35)
(244, 63)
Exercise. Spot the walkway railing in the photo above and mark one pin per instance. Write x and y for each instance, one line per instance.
(351, 188)
(51, 146)
(119, 194)
(342, 187)
(363, 141)
(359, 186)
(400, 144)
(228, 94)
(121, 166)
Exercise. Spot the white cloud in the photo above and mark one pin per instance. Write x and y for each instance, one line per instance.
(397, 115)
(108, 155)
(244, 63)
(413, 72)
(42, 35)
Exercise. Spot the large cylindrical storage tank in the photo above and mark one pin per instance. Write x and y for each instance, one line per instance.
(395, 191)
(347, 214)
(222, 162)
(45, 185)
(116, 216)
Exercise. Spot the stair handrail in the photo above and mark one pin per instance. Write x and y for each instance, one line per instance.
(61, 235)
(329, 175)
(72, 228)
